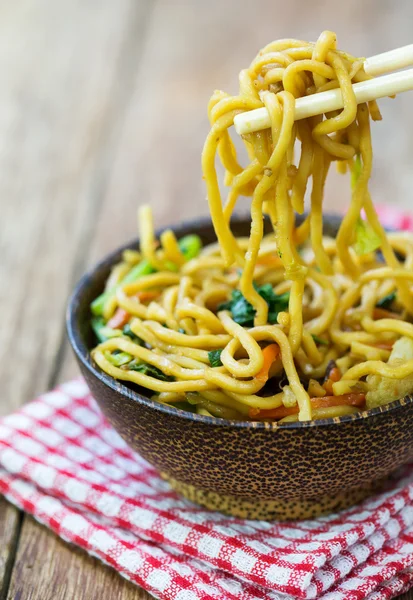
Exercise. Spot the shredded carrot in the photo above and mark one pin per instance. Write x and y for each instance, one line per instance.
(119, 319)
(270, 353)
(269, 260)
(146, 295)
(383, 345)
(347, 399)
(333, 376)
(382, 313)
(354, 399)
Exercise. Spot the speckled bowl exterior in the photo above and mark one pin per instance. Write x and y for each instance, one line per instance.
(254, 470)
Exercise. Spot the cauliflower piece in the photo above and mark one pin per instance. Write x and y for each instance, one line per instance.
(383, 390)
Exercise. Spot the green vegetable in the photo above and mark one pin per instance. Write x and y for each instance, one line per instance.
(139, 270)
(215, 358)
(185, 406)
(170, 266)
(242, 311)
(319, 340)
(118, 358)
(180, 330)
(276, 303)
(150, 370)
(367, 240)
(387, 301)
(190, 245)
(128, 332)
(103, 332)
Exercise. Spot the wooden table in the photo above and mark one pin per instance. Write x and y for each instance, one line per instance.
(102, 107)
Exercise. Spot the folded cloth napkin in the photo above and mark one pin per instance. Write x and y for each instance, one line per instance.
(61, 461)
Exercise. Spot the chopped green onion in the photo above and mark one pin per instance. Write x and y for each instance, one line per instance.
(190, 246)
(319, 340)
(215, 358)
(387, 301)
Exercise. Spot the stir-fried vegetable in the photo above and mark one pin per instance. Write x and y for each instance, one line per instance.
(270, 353)
(367, 240)
(129, 333)
(215, 358)
(139, 270)
(149, 370)
(387, 301)
(119, 319)
(118, 359)
(102, 331)
(243, 312)
(320, 340)
(353, 399)
(190, 246)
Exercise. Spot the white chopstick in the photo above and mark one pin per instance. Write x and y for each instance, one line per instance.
(317, 104)
(308, 106)
(389, 61)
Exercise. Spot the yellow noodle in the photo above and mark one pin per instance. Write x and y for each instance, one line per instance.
(218, 362)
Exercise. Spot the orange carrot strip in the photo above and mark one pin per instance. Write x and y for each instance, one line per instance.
(146, 295)
(383, 345)
(119, 319)
(382, 313)
(347, 399)
(354, 399)
(333, 376)
(270, 353)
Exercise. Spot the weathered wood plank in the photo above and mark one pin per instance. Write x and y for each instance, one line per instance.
(10, 520)
(65, 75)
(50, 569)
(63, 86)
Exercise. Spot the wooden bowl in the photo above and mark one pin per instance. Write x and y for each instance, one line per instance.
(252, 470)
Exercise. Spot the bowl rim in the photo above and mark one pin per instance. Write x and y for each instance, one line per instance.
(83, 353)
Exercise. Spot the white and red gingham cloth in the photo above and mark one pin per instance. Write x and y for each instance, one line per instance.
(62, 462)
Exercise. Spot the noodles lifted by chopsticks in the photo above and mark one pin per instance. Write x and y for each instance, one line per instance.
(285, 326)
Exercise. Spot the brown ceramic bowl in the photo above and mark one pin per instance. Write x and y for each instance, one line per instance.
(254, 470)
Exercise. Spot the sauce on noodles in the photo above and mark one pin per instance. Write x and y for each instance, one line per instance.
(278, 327)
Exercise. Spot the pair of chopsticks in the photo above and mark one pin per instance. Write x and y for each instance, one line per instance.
(372, 89)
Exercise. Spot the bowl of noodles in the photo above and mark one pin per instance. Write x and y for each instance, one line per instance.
(263, 363)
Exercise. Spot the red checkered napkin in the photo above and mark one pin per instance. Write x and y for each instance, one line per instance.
(62, 462)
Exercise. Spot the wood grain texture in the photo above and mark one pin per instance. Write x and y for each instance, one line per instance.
(70, 575)
(64, 83)
(10, 521)
(103, 107)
